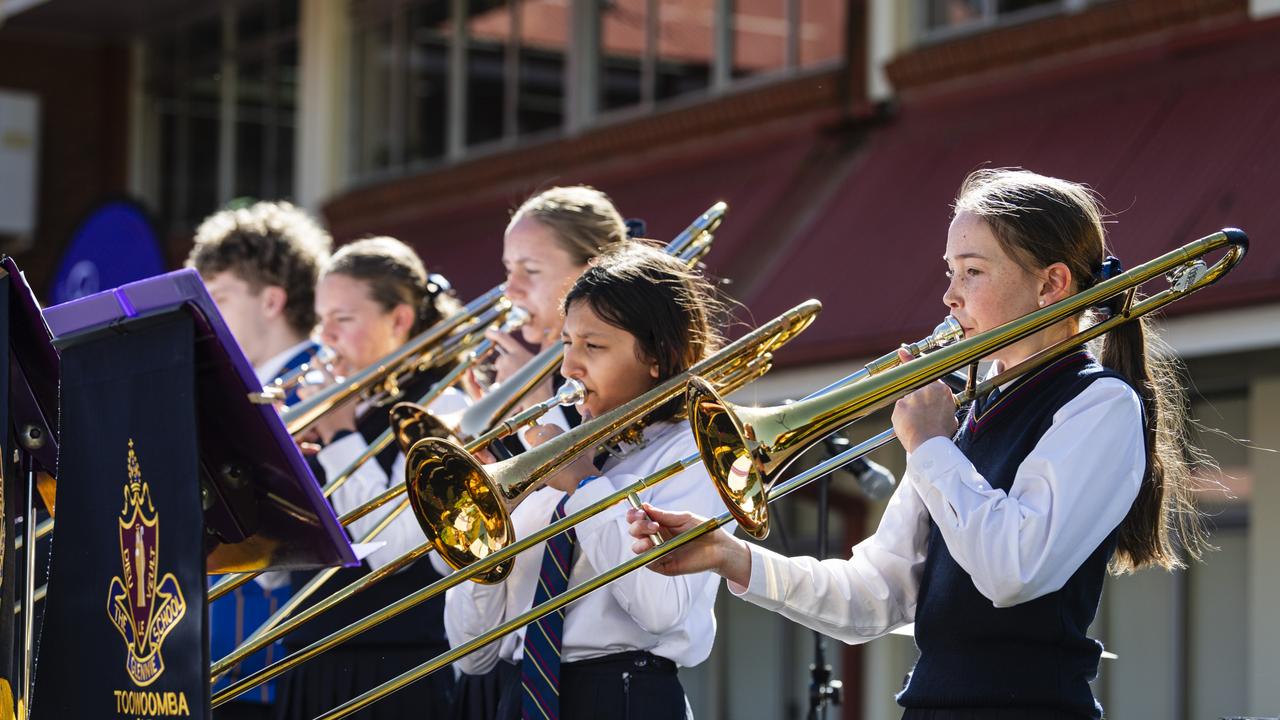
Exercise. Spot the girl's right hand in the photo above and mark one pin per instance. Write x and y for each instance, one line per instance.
(511, 354)
(717, 551)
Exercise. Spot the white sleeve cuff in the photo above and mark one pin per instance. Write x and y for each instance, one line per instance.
(765, 588)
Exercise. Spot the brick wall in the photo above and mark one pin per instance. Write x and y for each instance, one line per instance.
(82, 86)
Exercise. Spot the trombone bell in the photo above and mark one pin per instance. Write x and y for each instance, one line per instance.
(724, 444)
(412, 422)
(469, 520)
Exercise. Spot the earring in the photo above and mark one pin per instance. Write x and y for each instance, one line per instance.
(1041, 303)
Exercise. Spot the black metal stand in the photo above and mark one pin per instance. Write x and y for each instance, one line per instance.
(823, 690)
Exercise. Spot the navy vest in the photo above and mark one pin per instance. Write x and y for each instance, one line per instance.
(1034, 655)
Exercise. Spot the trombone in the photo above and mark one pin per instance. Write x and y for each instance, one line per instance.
(762, 442)
(485, 494)
(411, 422)
(420, 351)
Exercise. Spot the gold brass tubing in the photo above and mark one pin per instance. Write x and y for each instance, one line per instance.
(278, 625)
(746, 449)
(39, 595)
(43, 528)
(303, 415)
(578, 591)
(410, 601)
(740, 376)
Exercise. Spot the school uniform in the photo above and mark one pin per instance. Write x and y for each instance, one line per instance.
(403, 642)
(618, 647)
(995, 545)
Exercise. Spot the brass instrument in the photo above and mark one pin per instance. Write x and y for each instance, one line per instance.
(727, 441)
(411, 422)
(465, 508)
(746, 449)
(419, 352)
(320, 360)
(735, 365)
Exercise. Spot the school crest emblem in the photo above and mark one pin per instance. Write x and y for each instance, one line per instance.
(141, 607)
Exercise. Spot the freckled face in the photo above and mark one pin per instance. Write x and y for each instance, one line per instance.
(605, 359)
(539, 274)
(987, 288)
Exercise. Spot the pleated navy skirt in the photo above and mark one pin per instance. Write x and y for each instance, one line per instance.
(323, 683)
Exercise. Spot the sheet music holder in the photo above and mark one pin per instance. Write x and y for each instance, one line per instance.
(263, 506)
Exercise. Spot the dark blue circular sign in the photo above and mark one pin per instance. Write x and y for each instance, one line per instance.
(115, 244)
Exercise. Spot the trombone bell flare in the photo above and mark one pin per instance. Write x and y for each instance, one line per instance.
(728, 459)
(470, 515)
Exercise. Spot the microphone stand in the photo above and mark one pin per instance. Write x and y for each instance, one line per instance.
(823, 690)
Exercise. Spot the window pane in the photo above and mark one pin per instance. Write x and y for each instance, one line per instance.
(488, 33)
(622, 42)
(544, 32)
(822, 27)
(280, 174)
(426, 102)
(686, 43)
(250, 146)
(1004, 7)
(372, 52)
(951, 13)
(201, 174)
(759, 37)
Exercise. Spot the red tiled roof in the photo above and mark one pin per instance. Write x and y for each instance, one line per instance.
(1180, 142)
(1179, 146)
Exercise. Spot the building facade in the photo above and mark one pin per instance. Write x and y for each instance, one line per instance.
(838, 131)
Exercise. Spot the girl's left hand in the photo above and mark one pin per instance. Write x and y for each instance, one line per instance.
(924, 414)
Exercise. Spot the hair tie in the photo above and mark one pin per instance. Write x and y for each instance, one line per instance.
(438, 284)
(635, 228)
(1110, 268)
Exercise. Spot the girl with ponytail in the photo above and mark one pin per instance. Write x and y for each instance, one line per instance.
(998, 539)
(372, 296)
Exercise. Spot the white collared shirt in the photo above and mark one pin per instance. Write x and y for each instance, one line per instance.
(673, 617)
(1068, 494)
(369, 481)
(273, 368)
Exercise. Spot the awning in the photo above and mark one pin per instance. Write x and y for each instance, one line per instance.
(1180, 143)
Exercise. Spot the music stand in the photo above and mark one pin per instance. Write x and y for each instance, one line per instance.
(167, 470)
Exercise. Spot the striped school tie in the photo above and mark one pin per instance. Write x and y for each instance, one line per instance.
(540, 668)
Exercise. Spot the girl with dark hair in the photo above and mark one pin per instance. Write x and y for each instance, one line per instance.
(549, 241)
(997, 542)
(635, 318)
(373, 295)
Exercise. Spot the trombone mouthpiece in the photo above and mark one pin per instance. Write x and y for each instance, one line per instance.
(516, 317)
(947, 332)
(571, 393)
